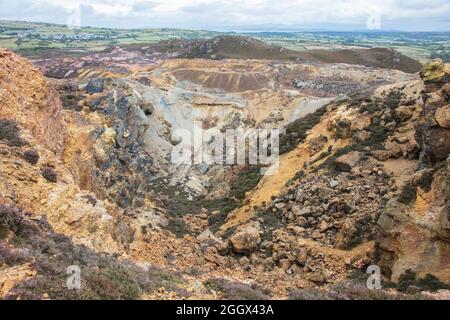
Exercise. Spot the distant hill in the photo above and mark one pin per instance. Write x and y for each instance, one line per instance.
(238, 47)
(241, 47)
(375, 57)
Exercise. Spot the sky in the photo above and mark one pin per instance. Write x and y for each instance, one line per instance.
(238, 15)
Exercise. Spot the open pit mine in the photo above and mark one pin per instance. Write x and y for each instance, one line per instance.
(86, 177)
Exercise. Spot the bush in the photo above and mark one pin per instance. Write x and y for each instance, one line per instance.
(297, 131)
(49, 174)
(393, 99)
(178, 227)
(246, 181)
(103, 275)
(429, 282)
(31, 156)
(10, 220)
(157, 278)
(70, 102)
(408, 194)
(10, 132)
(231, 290)
(425, 181)
(115, 283)
(377, 138)
(351, 290)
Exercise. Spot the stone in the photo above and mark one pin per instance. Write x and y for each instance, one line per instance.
(301, 211)
(280, 205)
(95, 86)
(317, 144)
(334, 183)
(317, 278)
(298, 231)
(381, 155)
(246, 239)
(348, 161)
(361, 123)
(301, 221)
(403, 113)
(244, 261)
(285, 264)
(433, 72)
(442, 116)
(301, 256)
(316, 234)
(323, 226)
(211, 255)
(437, 141)
(446, 91)
(203, 168)
(294, 269)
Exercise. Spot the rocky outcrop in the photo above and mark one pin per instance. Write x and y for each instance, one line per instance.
(37, 174)
(432, 131)
(415, 226)
(29, 100)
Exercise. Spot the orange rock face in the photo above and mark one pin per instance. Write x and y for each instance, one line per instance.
(27, 98)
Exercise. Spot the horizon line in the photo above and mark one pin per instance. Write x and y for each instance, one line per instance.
(237, 29)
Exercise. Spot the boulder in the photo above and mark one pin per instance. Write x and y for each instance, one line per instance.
(403, 113)
(346, 162)
(95, 86)
(437, 142)
(361, 123)
(300, 255)
(381, 155)
(443, 116)
(403, 142)
(301, 211)
(246, 239)
(433, 72)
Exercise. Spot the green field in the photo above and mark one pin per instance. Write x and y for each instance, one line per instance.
(28, 38)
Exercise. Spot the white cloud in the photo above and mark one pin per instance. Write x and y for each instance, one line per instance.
(399, 14)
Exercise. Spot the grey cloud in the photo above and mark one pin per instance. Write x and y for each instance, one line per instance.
(407, 15)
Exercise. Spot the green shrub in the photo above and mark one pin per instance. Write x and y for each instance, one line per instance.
(377, 138)
(31, 156)
(231, 290)
(393, 99)
(297, 131)
(10, 133)
(408, 193)
(428, 283)
(350, 290)
(246, 181)
(123, 282)
(11, 220)
(103, 276)
(49, 174)
(178, 227)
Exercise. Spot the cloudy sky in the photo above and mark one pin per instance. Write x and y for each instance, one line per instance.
(409, 15)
